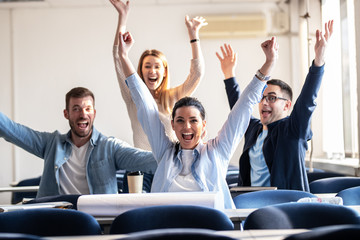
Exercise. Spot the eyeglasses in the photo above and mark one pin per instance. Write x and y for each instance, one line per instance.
(272, 98)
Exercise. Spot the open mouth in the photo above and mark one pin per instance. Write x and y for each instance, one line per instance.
(265, 113)
(153, 79)
(82, 125)
(187, 136)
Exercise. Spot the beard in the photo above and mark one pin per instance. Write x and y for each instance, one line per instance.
(80, 134)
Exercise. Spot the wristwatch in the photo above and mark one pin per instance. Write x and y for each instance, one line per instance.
(262, 76)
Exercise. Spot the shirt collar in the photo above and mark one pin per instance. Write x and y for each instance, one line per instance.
(95, 135)
(196, 150)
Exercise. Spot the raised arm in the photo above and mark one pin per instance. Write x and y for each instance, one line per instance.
(306, 102)
(322, 42)
(197, 69)
(228, 62)
(270, 48)
(235, 126)
(123, 10)
(24, 137)
(193, 26)
(147, 109)
(126, 41)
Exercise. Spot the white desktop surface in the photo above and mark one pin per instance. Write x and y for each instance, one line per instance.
(277, 234)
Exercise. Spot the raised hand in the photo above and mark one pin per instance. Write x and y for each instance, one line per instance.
(322, 42)
(123, 10)
(193, 25)
(228, 60)
(270, 48)
(126, 41)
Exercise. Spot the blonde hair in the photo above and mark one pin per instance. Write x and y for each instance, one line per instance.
(161, 93)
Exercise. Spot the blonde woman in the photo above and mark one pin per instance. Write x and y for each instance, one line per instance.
(154, 71)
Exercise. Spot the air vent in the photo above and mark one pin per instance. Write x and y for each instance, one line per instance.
(245, 25)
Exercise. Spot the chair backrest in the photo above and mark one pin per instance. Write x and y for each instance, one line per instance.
(71, 198)
(333, 184)
(268, 197)
(312, 176)
(350, 196)
(17, 197)
(170, 216)
(232, 175)
(300, 215)
(49, 222)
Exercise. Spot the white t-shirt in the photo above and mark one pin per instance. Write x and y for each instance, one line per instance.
(185, 181)
(72, 174)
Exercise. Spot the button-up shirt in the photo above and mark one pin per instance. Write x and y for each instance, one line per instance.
(211, 159)
(104, 156)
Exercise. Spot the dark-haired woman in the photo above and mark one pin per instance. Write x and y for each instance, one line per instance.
(190, 164)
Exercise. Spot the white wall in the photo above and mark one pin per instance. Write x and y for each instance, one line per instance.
(56, 49)
(5, 99)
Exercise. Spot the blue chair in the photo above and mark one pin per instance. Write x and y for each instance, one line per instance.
(232, 176)
(170, 216)
(120, 178)
(269, 197)
(17, 197)
(49, 222)
(348, 232)
(177, 234)
(312, 176)
(333, 184)
(350, 196)
(300, 215)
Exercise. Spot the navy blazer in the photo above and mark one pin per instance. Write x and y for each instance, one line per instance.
(285, 146)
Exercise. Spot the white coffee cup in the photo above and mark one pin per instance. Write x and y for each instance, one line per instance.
(135, 181)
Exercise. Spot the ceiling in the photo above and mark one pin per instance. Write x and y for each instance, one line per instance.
(89, 3)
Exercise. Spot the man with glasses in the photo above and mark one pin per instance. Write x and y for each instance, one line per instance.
(275, 145)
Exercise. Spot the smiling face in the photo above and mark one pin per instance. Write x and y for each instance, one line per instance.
(188, 126)
(153, 72)
(81, 115)
(271, 112)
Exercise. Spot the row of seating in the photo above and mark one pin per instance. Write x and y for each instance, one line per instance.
(70, 222)
(67, 222)
(276, 210)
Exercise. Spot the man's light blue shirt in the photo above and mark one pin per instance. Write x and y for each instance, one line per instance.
(104, 156)
(211, 159)
(260, 175)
